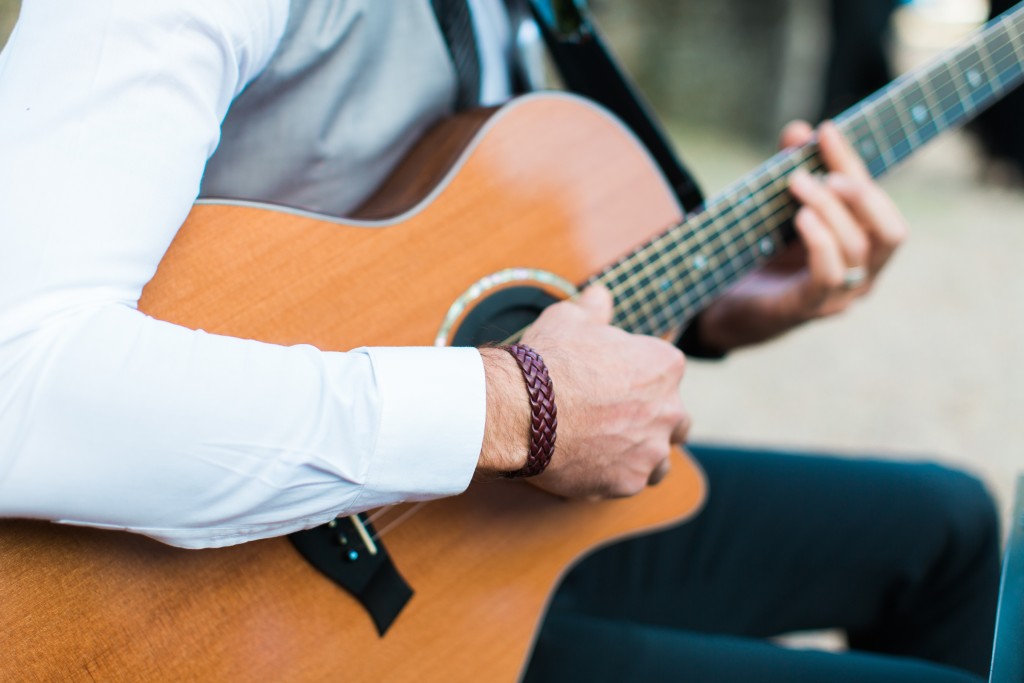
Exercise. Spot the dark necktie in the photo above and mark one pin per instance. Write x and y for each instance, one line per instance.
(457, 26)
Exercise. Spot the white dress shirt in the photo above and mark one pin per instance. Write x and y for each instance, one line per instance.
(109, 110)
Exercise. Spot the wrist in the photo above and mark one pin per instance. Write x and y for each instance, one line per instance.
(506, 441)
(543, 411)
(738, 320)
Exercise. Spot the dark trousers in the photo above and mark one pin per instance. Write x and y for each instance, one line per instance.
(902, 557)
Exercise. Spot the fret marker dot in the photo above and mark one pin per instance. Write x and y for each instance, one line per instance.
(974, 78)
(868, 149)
(767, 246)
(920, 113)
(699, 262)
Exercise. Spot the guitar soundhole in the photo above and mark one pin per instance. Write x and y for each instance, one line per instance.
(501, 314)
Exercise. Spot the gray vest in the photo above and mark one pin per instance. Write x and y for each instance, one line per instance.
(352, 85)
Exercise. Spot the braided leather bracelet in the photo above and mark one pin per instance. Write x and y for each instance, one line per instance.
(543, 414)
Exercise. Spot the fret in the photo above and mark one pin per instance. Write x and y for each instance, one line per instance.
(974, 78)
(659, 281)
(711, 251)
(1004, 56)
(630, 286)
(864, 139)
(1016, 36)
(737, 229)
(730, 251)
(951, 103)
(720, 271)
(738, 202)
(693, 301)
(612, 278)
(907, 116)
(641, 278)
(664, 309)
(991, 69)
(701, 299)
(879, 136)
(625, 314)
(756, 241)
(700, 262)
(758, 195)
(661, 278)
(644, 312)
(741, 233)
(895, 134)
(669, 279)
(923, 106)
(695, 281)
(628, 313)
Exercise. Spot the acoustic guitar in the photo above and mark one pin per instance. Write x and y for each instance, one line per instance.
(492, 216)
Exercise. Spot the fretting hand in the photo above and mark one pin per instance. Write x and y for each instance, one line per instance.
(848, 227)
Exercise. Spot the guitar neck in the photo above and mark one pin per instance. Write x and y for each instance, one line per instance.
(670, 279)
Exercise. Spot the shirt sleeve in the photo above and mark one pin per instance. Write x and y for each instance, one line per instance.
(110, 418)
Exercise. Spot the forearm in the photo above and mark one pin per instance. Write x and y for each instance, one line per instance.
(114, 419)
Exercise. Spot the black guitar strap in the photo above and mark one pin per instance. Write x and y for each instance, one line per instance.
(587, 67)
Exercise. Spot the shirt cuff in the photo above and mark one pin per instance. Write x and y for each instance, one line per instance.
(432, 420)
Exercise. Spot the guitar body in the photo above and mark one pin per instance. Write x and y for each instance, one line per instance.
(548, 186)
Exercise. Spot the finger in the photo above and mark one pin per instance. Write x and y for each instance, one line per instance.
(597, 302)
(877, 212)
(659, 472)
(850, 235)
(826, 266)
(837, 153)
(795, 133)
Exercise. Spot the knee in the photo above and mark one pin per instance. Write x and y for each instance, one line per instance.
(964, 505)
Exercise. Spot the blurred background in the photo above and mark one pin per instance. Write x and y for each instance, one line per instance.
(929, 365)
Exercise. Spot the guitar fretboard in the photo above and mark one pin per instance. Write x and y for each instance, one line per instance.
(667, 281)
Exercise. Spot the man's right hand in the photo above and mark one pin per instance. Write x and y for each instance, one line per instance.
(618, 402)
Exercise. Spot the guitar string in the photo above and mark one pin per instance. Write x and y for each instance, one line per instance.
(868, 119)
(861, 118)
(401, 519)
(866, 122)
(777, 200)
(635, 278)
(627, 278)
(377, 513)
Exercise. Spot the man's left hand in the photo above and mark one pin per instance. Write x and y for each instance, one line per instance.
(848, 227)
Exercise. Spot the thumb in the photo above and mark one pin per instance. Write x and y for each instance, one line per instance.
(596, 301)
